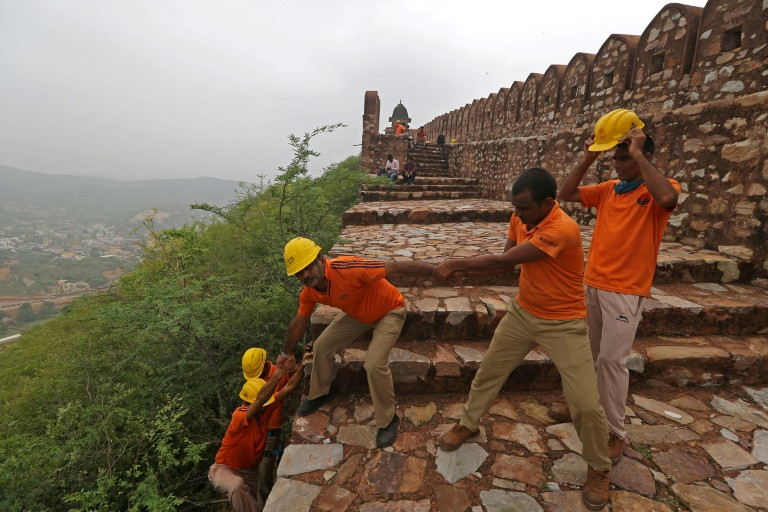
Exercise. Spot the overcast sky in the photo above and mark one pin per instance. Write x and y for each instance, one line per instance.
(136, 89)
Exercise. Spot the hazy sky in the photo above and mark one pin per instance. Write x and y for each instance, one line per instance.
(137, 89)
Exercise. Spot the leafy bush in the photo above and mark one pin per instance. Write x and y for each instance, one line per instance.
(120, 403)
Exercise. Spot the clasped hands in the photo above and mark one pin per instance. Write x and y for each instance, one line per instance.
(288, 364)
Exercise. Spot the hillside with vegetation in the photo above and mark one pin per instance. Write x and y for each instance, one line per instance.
(120, 403)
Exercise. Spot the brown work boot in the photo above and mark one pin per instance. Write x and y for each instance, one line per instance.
(615, 447)
(559, 411)
(595, 492)
(452, 439)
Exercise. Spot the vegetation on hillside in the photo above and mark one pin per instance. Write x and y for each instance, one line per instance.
(120, 403)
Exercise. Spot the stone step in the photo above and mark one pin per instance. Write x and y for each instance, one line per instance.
(402, 194)
(472, 312)
(428, 212)
(449, 367)
(433, 174)
(420, 186)
(697, 458)
(435, 242)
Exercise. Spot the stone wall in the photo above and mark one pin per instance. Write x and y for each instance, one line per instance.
(697, 77)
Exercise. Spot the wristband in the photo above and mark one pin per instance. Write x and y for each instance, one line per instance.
(285, 355)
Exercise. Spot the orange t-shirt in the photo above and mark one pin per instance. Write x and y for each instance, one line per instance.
(399, 129)
(244, 441)
(552, 288)
(276, 415)
(357, 287)
(625, 244)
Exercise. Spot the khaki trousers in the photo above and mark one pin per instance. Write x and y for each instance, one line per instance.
(566, 343)
(612, 319)
(240, 486)
(267, 468)
(335, 338)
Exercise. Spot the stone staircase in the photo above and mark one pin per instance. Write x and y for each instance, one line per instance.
(704, 331)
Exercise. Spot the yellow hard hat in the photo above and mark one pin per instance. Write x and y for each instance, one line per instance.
(299, 253)
(610, 128)
(253, 362)
(251, 390)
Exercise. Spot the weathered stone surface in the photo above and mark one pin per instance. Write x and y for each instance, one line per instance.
(520, 433)
(729, 455)
(701, 426)
(741, 410)
(303, 458)
(408, 441)
(700, 498)
(479, 437)
(564, 501)
(454, 411)
(508, 484)
(750, 487)
(566, 432)
(629, 502)
(570, 469)
(684, 467)
(651, 434)
(663, 353)
(445, 363)
(505, 408)
(363, 412)
(633, 476)
(334, 498)
(760, 396)
(536, 411)
(469, 356)
(312, 427)
(407, 365)
(733, 424)
(459, 463)
(420, 415)
(760, 445)
(663, 410)
(520, 469)
(689, 403)
(393, 472)
(497, 500)
(396, 506)
(347, 470)
(357, 435)
(291, 495)
(451, 499)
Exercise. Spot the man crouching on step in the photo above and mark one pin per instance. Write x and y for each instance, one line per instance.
(368, 301)
(549, 312)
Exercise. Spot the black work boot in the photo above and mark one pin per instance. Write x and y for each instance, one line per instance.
(387, 435)
(307, 407)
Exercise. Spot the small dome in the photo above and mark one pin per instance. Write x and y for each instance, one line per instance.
(400, 111)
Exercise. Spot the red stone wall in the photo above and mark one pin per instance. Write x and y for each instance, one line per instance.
(697, 77)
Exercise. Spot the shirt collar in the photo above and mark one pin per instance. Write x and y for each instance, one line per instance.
(553, 214)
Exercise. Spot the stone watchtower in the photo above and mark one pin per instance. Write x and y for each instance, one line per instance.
(400, 113)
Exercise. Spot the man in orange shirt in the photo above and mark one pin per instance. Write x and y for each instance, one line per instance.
(632, 213)
(368, 301)
(256, 366)
(549, 311)
(399, 128)
(236, 469)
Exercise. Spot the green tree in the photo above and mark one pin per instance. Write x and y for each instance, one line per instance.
(47, 310)
(26, 313)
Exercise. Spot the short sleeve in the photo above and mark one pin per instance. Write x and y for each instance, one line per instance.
(590, 195)
(373, 273)
(514, 223)
(306, 304)
(554, 238)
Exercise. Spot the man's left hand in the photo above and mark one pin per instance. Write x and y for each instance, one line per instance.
(635, 139)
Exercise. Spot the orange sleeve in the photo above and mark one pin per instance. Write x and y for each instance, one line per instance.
(591, 194)
(306, 304)
(553, 239)
(512, 231)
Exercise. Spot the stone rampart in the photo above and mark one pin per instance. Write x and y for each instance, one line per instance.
(697, 77)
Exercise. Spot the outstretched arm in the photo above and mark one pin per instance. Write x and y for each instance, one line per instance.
(569, 190)
(286, 390)
(658, 185)
(409, 269)
(296, 330)
(491, 263)
(264, 394)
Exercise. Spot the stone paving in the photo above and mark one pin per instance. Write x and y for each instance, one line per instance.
(699, 449)
(697, 420)
(435, 242)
